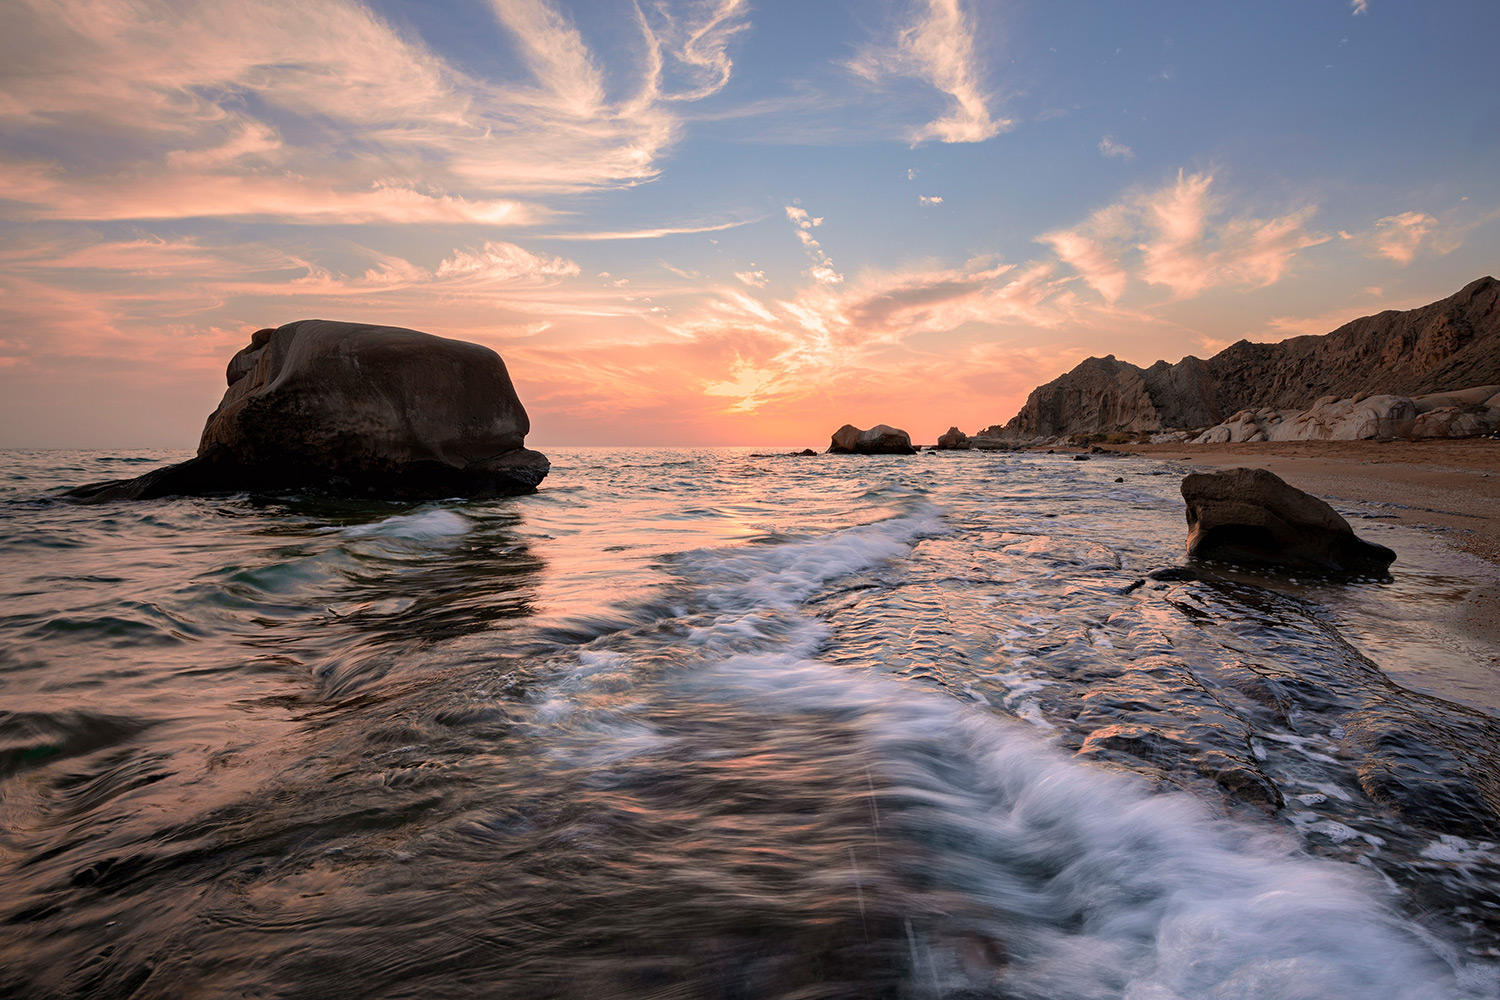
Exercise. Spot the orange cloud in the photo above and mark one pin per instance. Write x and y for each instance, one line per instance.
(374, 109)
(1181, 237)
(1399, 237)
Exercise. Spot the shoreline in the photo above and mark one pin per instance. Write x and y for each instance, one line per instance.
(1449, 490)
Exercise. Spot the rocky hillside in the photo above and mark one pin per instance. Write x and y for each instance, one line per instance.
(1451, 344)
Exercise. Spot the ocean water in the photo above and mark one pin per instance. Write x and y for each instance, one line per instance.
(697, 723)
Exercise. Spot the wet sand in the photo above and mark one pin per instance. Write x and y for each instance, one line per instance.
(1448, 488)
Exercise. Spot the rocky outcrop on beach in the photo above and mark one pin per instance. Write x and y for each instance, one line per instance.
(1463, 413)
(1252, 516)
(881, 439)
(1416, 352)
(356, 409)
(1100, 394)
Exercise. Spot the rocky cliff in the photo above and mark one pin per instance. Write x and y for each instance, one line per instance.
(1451, 344)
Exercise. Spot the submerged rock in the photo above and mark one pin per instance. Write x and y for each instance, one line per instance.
(355, 409)
(1428, 770)
(1252, 516)
(881, 439)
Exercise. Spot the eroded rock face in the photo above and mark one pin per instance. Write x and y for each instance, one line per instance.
(1251, 516)
(1453, 342)
(881, 439)
(1101, 394)
(356, 409)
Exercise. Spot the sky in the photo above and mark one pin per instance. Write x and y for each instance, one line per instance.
(688, 222)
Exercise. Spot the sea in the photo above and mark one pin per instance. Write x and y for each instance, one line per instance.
(729, 723)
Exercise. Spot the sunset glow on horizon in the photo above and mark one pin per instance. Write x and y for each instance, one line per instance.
(721, 222)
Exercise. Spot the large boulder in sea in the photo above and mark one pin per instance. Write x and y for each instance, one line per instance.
(878, 440)
(1251, 516)
(360, 410)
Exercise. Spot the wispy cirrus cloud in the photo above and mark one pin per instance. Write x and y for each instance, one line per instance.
(689, 52)
(289, 200)
(1182, 237)
(1108, 147)
(936, 46)
(652, 233)
(327, 113)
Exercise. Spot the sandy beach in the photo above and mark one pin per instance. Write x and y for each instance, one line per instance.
(1449, 488)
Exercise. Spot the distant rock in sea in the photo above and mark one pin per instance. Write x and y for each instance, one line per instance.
(1252, 516)
(1414, 353)
(881, 439)
(359, 410)
(954, 439)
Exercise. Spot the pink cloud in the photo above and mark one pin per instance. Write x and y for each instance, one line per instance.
(1400, 237)
(375, 108)
(1184, 238)
(285, 199)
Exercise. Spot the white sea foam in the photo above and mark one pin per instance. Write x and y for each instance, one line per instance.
(1091, 884)
(779, 576)
(1458, 850)
(1094, 885)
(426, 525)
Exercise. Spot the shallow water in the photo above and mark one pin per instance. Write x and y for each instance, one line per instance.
(696, 723)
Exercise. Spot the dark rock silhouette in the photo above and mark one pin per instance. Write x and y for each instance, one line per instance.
(1251, 516)
(359, 410)
(954, 439)
(878, 440)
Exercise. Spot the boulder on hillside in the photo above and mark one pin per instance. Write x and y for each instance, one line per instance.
(1361, 417)
(1480, 396)
(1246, 425)
(359, 410)
(878, 440)
(1454, 422)
(953, 439)
(1251, 516)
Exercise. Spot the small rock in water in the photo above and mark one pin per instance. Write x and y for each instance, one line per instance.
(882, 439)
